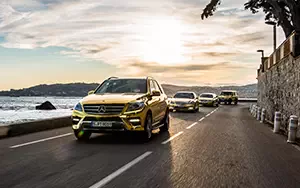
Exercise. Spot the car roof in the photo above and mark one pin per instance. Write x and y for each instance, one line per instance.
(228, 91)
(185, 92)
(208, 94)
(124, 78)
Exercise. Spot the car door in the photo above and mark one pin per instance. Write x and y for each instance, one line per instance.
(154, 103)
(162, 106)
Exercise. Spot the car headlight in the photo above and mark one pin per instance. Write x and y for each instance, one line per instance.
(135, 106)
(191, 102)
(78, 107)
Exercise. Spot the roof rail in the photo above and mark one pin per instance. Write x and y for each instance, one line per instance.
(112, 77)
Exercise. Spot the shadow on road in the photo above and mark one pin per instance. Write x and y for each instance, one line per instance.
(123, 138)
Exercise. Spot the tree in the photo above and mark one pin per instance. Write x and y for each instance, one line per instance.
(286, 13)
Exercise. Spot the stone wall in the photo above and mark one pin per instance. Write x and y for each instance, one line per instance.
(279, 89)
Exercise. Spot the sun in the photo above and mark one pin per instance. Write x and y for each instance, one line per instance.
(163, 42)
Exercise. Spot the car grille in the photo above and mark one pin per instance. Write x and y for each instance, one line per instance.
(107, 109)
(181, 103)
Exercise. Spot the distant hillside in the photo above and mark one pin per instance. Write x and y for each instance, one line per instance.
(81, 89)
(73, 89)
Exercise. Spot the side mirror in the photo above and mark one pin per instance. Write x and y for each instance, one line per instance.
(91, 92)
(155, 93)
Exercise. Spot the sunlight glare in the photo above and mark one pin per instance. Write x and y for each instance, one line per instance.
(163, 42)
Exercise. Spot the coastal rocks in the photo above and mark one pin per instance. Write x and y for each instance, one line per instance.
(45, 106)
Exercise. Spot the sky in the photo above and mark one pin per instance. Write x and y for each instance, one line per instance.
(64, 41)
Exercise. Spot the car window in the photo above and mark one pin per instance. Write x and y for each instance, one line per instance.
(152, 86)
(184, 95)
(226, 93)
(207, 96)
(123, 86)
(157, 87)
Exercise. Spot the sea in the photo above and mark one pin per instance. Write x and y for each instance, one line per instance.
(22, 109)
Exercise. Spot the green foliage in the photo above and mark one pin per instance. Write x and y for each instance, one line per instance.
(286, 13)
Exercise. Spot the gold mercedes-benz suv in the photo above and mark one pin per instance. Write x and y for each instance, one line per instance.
(228, 96)
(122, 104)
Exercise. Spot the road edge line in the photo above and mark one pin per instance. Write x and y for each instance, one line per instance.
(38, 141)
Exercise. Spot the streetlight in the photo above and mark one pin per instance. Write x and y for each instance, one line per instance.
(262, 53)
(262, 59)
(274, 32)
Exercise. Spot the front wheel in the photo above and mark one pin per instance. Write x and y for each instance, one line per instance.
(166, 123)
(82, 135)
(235, 102)
(147, 134)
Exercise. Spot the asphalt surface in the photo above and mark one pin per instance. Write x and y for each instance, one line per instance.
(226, 148)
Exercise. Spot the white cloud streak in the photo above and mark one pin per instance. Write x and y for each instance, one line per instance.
(120, 32)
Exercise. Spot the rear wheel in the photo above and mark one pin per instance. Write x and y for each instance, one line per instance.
(166, 123)
(147, 134)
(82, 135)
(235, 102)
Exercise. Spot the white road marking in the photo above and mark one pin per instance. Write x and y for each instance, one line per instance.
(211, 112)
(42, 140)
(297, 147)
(202, 119)
(116, 173)
(172, 137)
(191, 125)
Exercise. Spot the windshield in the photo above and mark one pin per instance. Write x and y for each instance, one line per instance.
(206, 96)
(123, 86)
(227, 93)
(184, 95)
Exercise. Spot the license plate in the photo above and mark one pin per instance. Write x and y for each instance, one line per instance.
(102, 124)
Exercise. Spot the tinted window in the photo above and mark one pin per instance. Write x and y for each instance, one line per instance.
(206, 96)
(227, 93)
(184, 95)
(123, 86)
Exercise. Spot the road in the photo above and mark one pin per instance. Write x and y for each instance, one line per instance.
(226, 148)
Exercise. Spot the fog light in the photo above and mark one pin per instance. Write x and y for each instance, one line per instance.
(75, 126)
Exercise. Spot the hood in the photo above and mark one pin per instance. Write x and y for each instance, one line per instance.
(181, 100)
(121, 98)
(225, 96)
(205, 98)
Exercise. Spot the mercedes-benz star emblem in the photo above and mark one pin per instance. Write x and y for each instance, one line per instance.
(102, 109)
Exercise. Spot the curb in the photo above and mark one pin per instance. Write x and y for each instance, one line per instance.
(34, 126)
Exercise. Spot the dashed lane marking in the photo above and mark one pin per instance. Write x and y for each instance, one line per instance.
(201, 119)
(112, 176)
(297, 147)
(191, 125)
(172, 137)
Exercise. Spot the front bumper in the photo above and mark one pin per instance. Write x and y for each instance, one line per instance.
(128, 122)
(185, 107)
(206, 102)
(225, 99)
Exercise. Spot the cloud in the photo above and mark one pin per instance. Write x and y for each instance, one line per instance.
(156, 67)
(119, 32)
